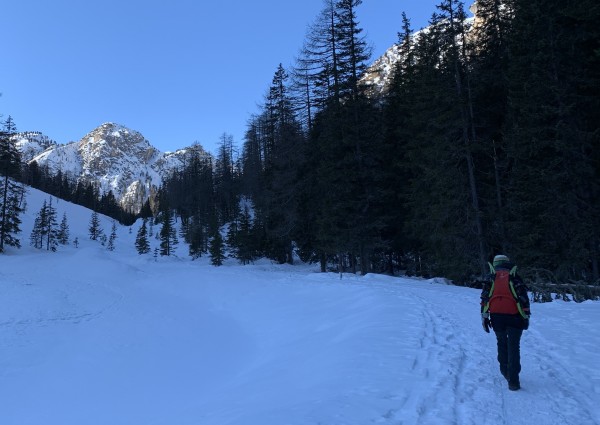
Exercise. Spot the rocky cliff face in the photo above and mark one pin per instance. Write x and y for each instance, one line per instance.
(115, 158)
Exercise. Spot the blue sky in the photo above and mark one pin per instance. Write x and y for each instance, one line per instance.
(178, 72)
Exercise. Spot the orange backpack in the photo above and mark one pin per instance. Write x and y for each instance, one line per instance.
(503, 298)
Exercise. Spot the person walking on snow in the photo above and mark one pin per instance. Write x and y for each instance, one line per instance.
(505, 309)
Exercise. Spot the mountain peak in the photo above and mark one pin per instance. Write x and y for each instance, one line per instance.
(117, 159)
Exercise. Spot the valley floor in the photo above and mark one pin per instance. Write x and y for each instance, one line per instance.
(97, 338)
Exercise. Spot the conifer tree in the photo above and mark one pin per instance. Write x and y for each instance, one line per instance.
(141, 240)
(226, 180)
(63, 232)
(112, 237)
(277, 203)
(196, 237)
(216, 250)
(10, 192)
(36, 237)
(95, 229)
(45, 229)
(242, 242)
(51, 228)
(168, 232)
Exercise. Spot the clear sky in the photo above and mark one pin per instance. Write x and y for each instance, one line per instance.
(178, 72)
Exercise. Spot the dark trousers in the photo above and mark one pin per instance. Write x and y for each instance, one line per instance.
(509, 347)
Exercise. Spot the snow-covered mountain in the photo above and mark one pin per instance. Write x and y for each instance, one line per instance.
(112, 156)
(32, 143)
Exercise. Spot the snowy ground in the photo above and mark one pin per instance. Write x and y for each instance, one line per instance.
(91, 337)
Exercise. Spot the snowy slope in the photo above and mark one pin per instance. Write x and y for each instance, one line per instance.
(32, 143)
(95, 337)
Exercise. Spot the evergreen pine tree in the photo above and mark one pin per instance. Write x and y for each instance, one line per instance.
(45, 229)
(216, 250)
(141, 240)
(36, 236)
(168, 233)
(95, 230)
(9, 125)
(196, 237)
(63, 232)
(51, 229)
(10, 192)
(112, 237)
(243, 243)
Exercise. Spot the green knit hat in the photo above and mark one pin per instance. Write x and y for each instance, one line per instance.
(499, 259)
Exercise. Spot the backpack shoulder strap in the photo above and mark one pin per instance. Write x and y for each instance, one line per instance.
(487, 294)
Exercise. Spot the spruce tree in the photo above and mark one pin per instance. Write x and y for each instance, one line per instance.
(36, 236)
(196, 237)
(95, 229)
(216, 250)
(245, 246)
(45, 229)
(51, 228)
(141, 240)
(10, 192)
(284, 142)
(63, 232)
(168, 233)
(112, 237)
(226, 180)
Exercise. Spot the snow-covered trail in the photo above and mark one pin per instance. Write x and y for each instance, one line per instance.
(560, 378)
(127, 341)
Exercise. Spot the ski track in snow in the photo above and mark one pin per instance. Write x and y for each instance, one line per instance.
(264, 345)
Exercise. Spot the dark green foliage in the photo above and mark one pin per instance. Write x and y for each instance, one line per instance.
(553, 136)
(112, 237)
(192, 194)
(45, 232)
(63, 231)
(241, 238)
(94, 229)
(168, 232)
(11, 193)
(216, 250)
(141, 240)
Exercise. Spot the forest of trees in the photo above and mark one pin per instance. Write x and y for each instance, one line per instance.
(485, 142)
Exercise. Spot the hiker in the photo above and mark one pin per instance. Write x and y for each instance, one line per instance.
(505, 308)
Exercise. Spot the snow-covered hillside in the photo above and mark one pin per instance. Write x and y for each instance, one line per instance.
(32, 143)
(94, 337)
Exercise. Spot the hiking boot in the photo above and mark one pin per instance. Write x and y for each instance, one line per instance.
(514, 386)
